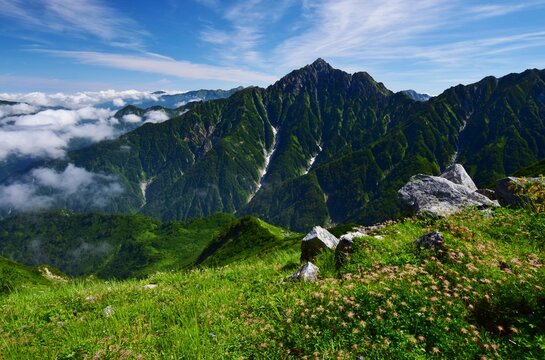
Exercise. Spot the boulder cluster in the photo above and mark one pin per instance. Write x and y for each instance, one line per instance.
(424, 195)
(318, 240)
(454, 191)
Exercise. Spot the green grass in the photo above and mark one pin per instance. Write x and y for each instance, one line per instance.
(482, 296)
(14, 276)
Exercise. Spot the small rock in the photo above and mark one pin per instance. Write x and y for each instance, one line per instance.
(90, 298)
(430, 241)
(379, 237)
(315, 241)
(307, 272)
(108, 311)
(150, 286)
(352, 235)
(344, 248)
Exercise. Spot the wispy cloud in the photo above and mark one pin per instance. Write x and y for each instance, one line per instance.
(352, 29)
(494, 9)
(79, 17)
(166, 66)
(248, 30)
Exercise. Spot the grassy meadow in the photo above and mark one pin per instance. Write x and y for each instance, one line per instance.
(480, 297)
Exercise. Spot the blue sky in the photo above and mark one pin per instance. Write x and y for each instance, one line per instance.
(426, 45)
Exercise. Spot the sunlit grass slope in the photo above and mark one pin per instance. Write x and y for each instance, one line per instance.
(482, 296)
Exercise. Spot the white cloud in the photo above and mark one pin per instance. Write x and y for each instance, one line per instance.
(167, 66)
(132, 118)
(80, 99)
(156, 116)
(493, 10)
(92, 18)
(48, 133)
(45, 188)
(17, 109)
(35, 130)
(118, 102)
(350, 28)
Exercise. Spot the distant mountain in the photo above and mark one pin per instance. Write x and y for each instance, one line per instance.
(4, 102)
(319, 146)
(416, 96)
(173, 101)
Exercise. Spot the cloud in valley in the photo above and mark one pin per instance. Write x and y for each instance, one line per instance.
(17, 109)
(45, 125)
(156, 116)
(48, 133)
(44, 188)
(81, 99)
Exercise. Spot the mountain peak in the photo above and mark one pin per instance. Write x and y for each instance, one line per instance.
(320, 65)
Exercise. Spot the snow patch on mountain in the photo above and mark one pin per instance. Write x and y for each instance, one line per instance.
(268, 157)
(313, 160)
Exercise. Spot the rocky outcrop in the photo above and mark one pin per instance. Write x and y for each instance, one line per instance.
(307, 272)
(316, 241)
(437, 196)
(510, 190)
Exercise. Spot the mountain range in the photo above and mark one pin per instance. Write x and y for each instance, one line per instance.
(320, 146)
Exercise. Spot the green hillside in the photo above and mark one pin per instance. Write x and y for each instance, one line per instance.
(117, 246)
(14, 276)
(247, 238)
(481, 296)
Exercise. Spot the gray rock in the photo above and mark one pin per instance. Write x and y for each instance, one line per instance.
(458, 175)
(150, 286)
(430, 241)
(489, 193)
(307, 272)
(351, 236)
(316, 241)
(108, 311)
(344, 248)
(437, 197)
(508, 194)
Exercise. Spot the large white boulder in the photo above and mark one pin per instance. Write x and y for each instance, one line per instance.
(436, 196)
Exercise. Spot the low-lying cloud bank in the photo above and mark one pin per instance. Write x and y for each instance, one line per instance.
(33, 131)
(48, 133)
(45, 188)
(82, 99)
